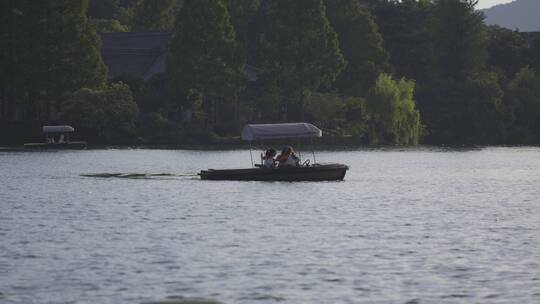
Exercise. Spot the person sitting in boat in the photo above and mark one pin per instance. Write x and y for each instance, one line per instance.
(268, 158)
(287, 157)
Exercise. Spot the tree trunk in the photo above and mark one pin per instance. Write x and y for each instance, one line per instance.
(2, 104)
(9, 103)
(236, 108)
(47, 108)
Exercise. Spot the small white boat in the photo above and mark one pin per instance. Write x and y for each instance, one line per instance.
(57, 137)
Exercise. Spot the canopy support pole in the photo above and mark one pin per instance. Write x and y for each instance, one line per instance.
(250, 154)
(298, 145)
(313, 151)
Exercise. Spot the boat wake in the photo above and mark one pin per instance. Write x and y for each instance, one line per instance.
(139, 175)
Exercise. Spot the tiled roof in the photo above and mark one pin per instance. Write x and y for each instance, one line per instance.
(141, 54)
(135, 54)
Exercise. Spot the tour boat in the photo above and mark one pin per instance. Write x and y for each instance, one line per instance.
(62, 142)
(305, 172)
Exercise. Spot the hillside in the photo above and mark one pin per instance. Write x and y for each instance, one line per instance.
(520, 14)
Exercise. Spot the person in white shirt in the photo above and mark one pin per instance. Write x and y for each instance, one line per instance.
(269, 161)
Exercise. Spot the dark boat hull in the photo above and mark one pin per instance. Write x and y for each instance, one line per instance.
(322, 172)
(73, 145)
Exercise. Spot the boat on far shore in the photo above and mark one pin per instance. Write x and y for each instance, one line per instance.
(57, 137)
(301, 172)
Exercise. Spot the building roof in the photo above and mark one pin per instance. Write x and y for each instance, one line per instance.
(135, 54)
(141, 54)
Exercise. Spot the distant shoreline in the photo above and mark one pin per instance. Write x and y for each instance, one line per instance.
(303, 147)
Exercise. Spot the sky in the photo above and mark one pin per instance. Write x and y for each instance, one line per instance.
(489, 3)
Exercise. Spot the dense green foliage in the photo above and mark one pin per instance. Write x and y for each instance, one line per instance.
(361, 44)
(460, 101)
(108, 26)
(48, 49)
(387, 115)
(111, 15)
(327, 110)
(393, 114)
(203, 53)
(242, 14)
(103, 9)
(535, 54)
(522, 105)
(459, 40)
(403, 26)
(367, 71)
(204, 68)
(300, 50)
(507, 50)
(153, 15)
(111, 111)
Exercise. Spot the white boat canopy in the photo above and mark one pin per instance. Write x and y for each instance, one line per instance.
(58, 129)
(282, 130)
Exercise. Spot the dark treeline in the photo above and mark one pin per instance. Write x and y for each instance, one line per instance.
(366, 71)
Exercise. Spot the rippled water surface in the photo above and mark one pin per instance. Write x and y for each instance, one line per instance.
(406, 226)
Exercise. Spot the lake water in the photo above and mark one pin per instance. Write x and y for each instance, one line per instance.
(417, 225)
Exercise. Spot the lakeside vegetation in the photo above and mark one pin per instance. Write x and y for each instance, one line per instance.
(376, 72)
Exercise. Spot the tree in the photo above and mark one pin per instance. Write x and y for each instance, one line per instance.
(481, 119)
(242, 14)
(522, 106)
(361, 44)
(300, 49)
(111, 15)
(508, 51)
(464, 111)
(108, 25)
(103, 9)
(393, 117)
(357, 118)
(111, 112)
(535, 53)
(154, 15)
(326, 109)
(264, 99)
(459, 39)
(77, 59)
(204, 57)
(11, 73)
(404, 27)
(52, 50)
(461, 102)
